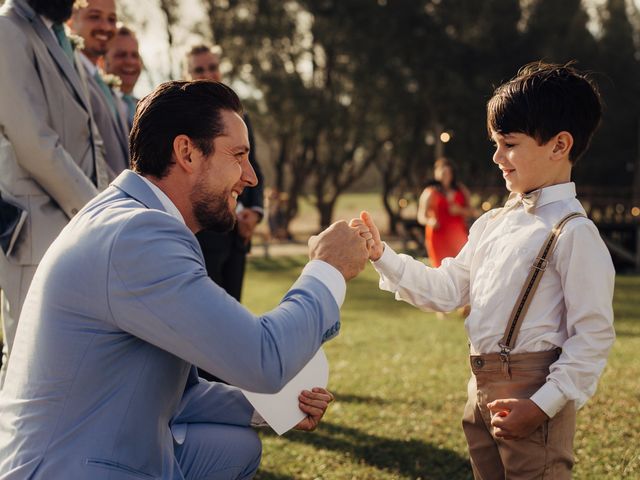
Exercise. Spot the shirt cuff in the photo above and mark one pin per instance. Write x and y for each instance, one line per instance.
(550, 399)
(389, 264)
(328, 275)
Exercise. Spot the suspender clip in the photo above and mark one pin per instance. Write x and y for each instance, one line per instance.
(505, 350)
(540, 264)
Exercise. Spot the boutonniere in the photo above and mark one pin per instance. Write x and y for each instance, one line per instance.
(76, 41)
(113, 81)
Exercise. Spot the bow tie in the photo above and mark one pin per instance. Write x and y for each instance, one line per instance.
(527, 200)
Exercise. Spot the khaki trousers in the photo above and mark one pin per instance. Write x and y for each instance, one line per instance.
(547, 453)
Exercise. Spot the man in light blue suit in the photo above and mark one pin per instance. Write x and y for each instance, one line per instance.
(102, 384)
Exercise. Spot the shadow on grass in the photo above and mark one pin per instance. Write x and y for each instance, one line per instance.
(351, 398)
(265, 475)
(410, 458)
(626, 332)
(278, 264)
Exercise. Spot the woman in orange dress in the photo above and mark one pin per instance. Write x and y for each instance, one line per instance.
(443, 209)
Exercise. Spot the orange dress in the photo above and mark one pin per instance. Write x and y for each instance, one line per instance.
(448, 237)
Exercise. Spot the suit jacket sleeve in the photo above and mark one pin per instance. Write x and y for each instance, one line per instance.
(253, 197)
(174, 305)
(23, 117)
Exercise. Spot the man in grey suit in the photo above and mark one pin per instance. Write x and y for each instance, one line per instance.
(50, 153)
(104, 385)
(95, 23)
(123, 60)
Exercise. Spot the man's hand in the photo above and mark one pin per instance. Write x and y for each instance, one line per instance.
(314, 403)
(515, 418)
(247, 221)
(372, 235)
(342, 247)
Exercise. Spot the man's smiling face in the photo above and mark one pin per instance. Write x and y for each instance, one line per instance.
(96, 24)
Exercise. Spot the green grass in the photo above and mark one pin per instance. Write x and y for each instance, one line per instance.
(399, 376)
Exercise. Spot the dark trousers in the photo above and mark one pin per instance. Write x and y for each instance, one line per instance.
(225, 256)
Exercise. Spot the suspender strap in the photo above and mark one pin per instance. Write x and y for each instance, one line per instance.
(530, 285)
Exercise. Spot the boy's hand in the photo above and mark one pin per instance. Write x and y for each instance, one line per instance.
(374, 244)
(515, 418)
(342, 247)
(314, 403)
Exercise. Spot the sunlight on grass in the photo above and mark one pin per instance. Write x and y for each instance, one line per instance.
(399, 376)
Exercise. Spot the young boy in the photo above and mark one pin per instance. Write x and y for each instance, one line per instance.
(533, 364)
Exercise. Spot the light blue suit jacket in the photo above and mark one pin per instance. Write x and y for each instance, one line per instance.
(119, 311)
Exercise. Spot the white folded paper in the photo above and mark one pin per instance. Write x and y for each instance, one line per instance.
(280, 410)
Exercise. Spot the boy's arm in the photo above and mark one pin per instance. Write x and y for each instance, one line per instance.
(442, 289)
(587, 277)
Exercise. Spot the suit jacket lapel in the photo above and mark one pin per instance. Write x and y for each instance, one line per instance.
(54, 49)
(123, 134)
(121, 125)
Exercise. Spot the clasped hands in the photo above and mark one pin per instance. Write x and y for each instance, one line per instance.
(347, 247)
(514, 419)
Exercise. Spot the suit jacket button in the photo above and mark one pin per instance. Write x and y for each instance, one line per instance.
(74, 211)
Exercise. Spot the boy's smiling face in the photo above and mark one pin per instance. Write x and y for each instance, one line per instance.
(526, 165)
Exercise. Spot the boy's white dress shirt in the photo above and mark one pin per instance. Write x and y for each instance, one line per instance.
(571, 309)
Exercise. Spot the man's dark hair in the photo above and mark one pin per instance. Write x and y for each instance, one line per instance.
(178, 108)
(58, 11)
(545, 99)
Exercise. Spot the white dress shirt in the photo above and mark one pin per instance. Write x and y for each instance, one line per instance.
(571, 309)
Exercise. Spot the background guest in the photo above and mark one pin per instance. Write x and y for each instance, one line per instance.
(50, 157)
(96, 24)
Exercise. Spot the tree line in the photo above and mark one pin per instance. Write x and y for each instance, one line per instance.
(351, 85)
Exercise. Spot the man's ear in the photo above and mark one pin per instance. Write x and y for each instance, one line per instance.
(562, 144)
(182, 149)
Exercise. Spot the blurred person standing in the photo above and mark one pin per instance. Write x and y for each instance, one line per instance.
(225, 253)
(95, 22)
(442, 209)
(123, 60)
(51, 160)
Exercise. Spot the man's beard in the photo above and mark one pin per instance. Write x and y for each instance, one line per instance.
(212, 210)
(58, 11)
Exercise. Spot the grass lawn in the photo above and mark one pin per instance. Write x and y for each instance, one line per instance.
(399, 376)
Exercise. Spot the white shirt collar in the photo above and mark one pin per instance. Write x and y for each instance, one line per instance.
(554, 193)
(47, 21)
(91, 68)
(49, 24)
(166, 202)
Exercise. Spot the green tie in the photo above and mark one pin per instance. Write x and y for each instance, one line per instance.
(63, 40)
(130, 101)
(107, 93)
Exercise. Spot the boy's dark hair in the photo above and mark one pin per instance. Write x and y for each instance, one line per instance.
(172, 109)
(545, 99)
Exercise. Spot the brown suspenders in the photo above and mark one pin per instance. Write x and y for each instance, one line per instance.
(519, 311)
